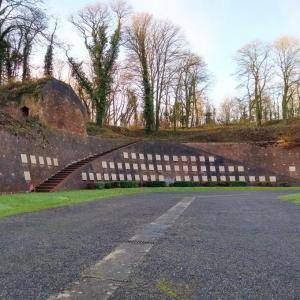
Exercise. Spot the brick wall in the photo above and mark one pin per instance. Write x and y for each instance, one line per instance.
(38, 158)
(144, 161)
(165, 161)
(270, 157)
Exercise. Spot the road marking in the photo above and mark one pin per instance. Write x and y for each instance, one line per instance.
(101, 280)
(222, 195)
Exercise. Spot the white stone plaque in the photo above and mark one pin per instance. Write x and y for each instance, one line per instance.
(252, 178)
(221, 169)
(84, 176)
(41, 160)
(262, 178)
(178, 178)
(231, 169)
(152, 177)
(214, 178)
(24, 158)
(204, 178)
(242, 178)
(212, 168)
(33, 159)
(49, 161)
(292, 168)
(27, 176)
(223, 178)
(241, 169)
(232, 178)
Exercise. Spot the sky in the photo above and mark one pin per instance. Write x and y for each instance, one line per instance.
(214, 29)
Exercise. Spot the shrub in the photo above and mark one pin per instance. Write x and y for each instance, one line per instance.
(237, 183)
(283, 184)
(128, 184)
(100, 185)
(183, 184)
(155, 184)
(264, 184)
(223, 183)
(108, 185)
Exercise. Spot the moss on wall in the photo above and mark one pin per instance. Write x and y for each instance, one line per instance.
(13, 93)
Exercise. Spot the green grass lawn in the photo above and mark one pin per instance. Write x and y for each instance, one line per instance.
(293, 198)
(14, 204)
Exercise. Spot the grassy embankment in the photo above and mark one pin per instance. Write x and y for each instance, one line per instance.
(14, 204)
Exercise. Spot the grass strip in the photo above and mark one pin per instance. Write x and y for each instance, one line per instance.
(13, 204)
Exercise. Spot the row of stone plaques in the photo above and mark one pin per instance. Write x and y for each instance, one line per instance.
(115, 177)
(168, 167)
(158, 157)
(34, 160)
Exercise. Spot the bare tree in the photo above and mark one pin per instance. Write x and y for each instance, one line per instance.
(254, 71)
(191, 82)
(13, 14)
(166, 44)
(32, 25)
(287, 62)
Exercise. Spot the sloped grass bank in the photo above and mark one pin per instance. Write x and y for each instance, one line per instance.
(14, 204)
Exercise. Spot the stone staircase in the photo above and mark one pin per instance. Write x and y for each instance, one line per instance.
(53, 182)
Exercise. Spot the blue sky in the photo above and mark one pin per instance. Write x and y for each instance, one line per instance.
(215, 29)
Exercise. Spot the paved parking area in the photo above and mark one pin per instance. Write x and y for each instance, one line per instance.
(223, 245)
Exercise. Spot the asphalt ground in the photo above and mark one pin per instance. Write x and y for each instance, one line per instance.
(225, 245)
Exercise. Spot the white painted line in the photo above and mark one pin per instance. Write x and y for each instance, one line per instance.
(101, 280)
